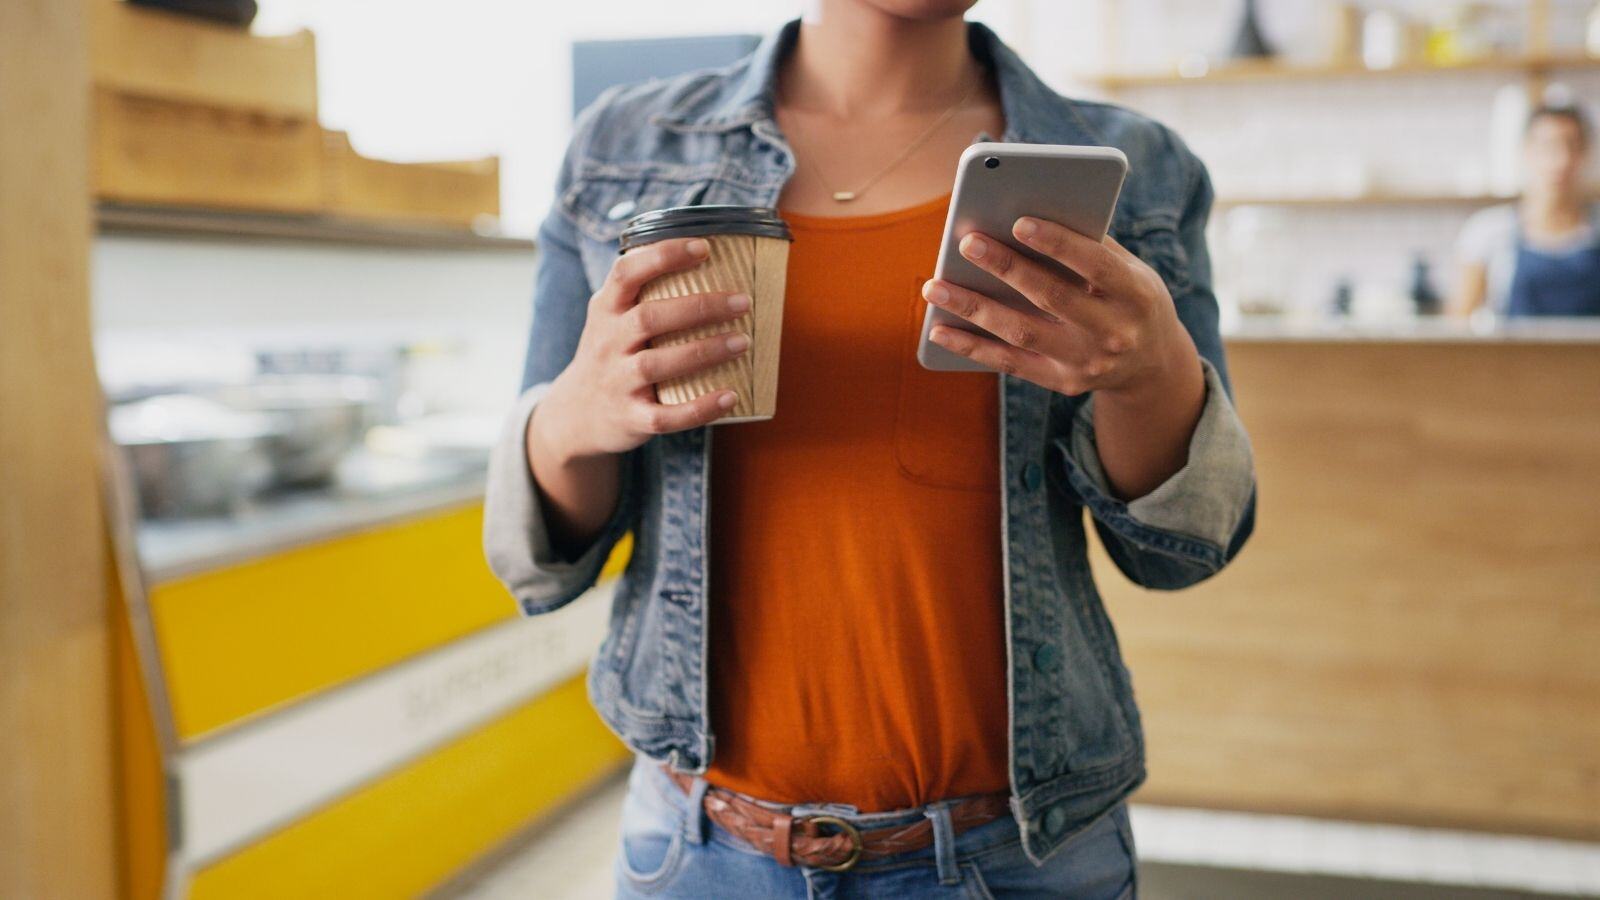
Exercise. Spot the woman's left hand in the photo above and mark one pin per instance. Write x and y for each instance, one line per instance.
(1109, 323)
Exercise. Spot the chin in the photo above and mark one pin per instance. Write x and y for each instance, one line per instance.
(922, 10)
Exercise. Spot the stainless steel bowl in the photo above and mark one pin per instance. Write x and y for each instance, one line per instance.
(316, 420)
(191, 457)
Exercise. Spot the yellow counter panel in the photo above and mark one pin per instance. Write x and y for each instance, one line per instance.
(245, 639)
(359, 716)
(413, 829)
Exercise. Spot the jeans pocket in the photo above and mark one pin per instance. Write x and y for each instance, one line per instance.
(651, 843)
(1094, 864)
(972, 883)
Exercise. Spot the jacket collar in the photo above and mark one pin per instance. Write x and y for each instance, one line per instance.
(746, 94)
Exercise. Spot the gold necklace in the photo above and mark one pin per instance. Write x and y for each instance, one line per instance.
(846, 196)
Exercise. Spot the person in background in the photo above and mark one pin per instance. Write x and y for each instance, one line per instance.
(1540, 256)
(857, 648)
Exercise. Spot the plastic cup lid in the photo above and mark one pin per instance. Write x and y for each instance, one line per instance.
(700, 221)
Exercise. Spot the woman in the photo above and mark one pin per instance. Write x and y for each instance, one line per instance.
(1540, 257)
(857, 647)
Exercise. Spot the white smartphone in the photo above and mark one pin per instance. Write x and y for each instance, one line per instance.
(995, 185)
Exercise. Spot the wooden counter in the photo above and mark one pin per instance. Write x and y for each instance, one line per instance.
(1413, 633)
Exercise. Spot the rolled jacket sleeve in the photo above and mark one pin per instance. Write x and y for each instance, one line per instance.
(516, 537)
(1191, 524)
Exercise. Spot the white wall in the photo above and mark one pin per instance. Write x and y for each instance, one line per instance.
(173, 307)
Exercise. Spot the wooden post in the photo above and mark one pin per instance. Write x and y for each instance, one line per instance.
(1538, 39)
(1111, 25)
(56, 813)
(1538, 51)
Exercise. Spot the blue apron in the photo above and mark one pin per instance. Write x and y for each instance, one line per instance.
(1555, 284)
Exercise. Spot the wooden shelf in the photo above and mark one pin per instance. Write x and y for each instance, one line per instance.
(1468, 200)
(114, 218)
(1238, 72)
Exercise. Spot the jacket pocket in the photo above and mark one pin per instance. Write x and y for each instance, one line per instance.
(601, 203)
(933, 405)
(1155, 240)
(602, 200)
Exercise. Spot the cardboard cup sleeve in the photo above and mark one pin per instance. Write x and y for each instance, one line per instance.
(754, 264)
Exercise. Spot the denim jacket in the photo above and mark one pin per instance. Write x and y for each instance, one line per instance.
(1076, 747)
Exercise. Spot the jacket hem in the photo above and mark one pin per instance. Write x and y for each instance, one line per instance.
(1080, 798)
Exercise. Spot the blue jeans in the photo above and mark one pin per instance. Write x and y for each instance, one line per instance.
(670, 848)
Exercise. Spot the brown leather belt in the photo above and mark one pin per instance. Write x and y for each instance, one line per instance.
(829, 842)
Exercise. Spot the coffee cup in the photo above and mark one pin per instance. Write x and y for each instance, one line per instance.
(749, 255)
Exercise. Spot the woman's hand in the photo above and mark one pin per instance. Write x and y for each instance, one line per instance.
(1111, 325)
(1108, 325)
(604, 401)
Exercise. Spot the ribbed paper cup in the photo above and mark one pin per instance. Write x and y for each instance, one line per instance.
(749, 254)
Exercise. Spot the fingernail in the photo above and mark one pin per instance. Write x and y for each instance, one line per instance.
(935, 293)
(698, 247)
(937, 335)
(738, 342)
(728, 399)
(739, 302)
(975, 246)
(1025, 227)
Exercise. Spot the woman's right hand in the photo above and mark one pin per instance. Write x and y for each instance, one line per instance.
(604, 401)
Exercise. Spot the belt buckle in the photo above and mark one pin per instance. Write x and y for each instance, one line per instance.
(855, 841)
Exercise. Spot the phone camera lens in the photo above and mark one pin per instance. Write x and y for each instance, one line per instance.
(991, 162)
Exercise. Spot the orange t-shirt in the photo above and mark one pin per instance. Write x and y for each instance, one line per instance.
(857, 625)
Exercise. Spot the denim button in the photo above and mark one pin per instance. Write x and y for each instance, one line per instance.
(1046, 658)
(1054, 820)
(621, 209)
(1032, 476)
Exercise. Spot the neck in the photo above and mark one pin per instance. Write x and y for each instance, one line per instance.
(1552, 208)
(855, 61)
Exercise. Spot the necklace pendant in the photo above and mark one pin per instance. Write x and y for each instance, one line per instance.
(843, 196)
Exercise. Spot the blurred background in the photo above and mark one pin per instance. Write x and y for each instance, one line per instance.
(301, 280)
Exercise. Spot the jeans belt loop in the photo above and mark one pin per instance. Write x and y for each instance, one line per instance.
(694, 824)
(944, 842)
